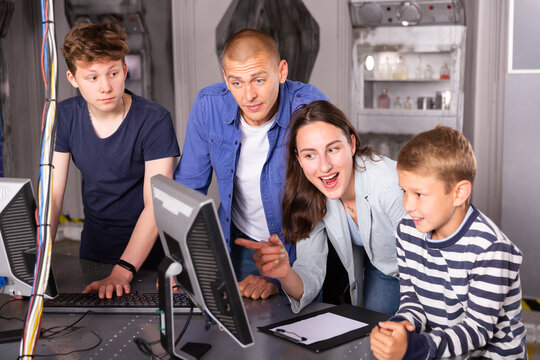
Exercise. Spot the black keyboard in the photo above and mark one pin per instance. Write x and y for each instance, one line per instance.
(143, 303)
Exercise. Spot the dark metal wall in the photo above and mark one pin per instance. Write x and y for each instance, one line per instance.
(289, 22)
(157, 17)
(21, 91)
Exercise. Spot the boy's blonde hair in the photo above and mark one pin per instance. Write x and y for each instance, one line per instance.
(443, 152)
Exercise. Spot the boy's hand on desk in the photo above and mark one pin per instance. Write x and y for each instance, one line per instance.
(257, 287)
(271, 258)
(117, 282)
(389, 341)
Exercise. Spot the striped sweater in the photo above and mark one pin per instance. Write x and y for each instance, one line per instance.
(462, 294)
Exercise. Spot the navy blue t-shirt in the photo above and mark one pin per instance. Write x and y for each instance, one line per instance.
(112, 171)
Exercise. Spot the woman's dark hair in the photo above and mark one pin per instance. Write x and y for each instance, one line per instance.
(303, 205)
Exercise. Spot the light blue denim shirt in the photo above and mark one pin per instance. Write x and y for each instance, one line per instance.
(213, 144)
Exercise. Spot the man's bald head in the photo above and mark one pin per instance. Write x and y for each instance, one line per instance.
(249, 43)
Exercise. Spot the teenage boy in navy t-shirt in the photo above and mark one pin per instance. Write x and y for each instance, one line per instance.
(118, 141)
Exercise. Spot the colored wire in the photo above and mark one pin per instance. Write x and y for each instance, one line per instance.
(43, 213)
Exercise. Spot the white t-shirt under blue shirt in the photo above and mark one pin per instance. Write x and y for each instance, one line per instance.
(247, 207)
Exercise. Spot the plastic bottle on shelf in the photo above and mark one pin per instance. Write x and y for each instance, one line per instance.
(408, 103)
(397, 103)
(383, 101)
(385, 70)
(400, 70)
(445, 71)
(428, 73)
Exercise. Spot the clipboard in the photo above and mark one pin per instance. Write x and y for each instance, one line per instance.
(370, 318)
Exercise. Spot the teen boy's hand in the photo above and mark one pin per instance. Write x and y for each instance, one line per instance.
(388, 341)
(118, 281)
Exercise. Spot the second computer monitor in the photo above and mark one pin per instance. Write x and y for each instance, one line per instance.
(18, 239)
(191, 235)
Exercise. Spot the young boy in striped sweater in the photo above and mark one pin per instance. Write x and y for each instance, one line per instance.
(459, 274)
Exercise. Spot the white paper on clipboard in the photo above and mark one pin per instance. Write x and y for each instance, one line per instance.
(319, 328)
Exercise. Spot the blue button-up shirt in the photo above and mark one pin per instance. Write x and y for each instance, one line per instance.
(213, 144)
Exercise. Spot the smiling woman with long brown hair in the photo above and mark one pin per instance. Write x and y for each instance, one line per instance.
(339, 191)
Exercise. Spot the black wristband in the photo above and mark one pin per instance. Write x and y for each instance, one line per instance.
(127, 266)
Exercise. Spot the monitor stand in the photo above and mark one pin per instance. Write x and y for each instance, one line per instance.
(190, 351)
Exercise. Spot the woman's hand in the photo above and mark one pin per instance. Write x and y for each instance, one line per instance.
(271, 258)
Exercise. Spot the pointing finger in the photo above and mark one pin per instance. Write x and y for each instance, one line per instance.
(249, 244)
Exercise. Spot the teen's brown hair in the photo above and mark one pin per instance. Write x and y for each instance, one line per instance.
(92, 42)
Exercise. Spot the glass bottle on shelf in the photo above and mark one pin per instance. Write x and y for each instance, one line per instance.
(383, 101)
(385, 69)
(445, 71)
(400, 70)
(408, 103)
(428, 73)
(397, 103)
(418, 71)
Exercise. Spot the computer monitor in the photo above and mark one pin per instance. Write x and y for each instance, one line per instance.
(197, 257)
(18, 239)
